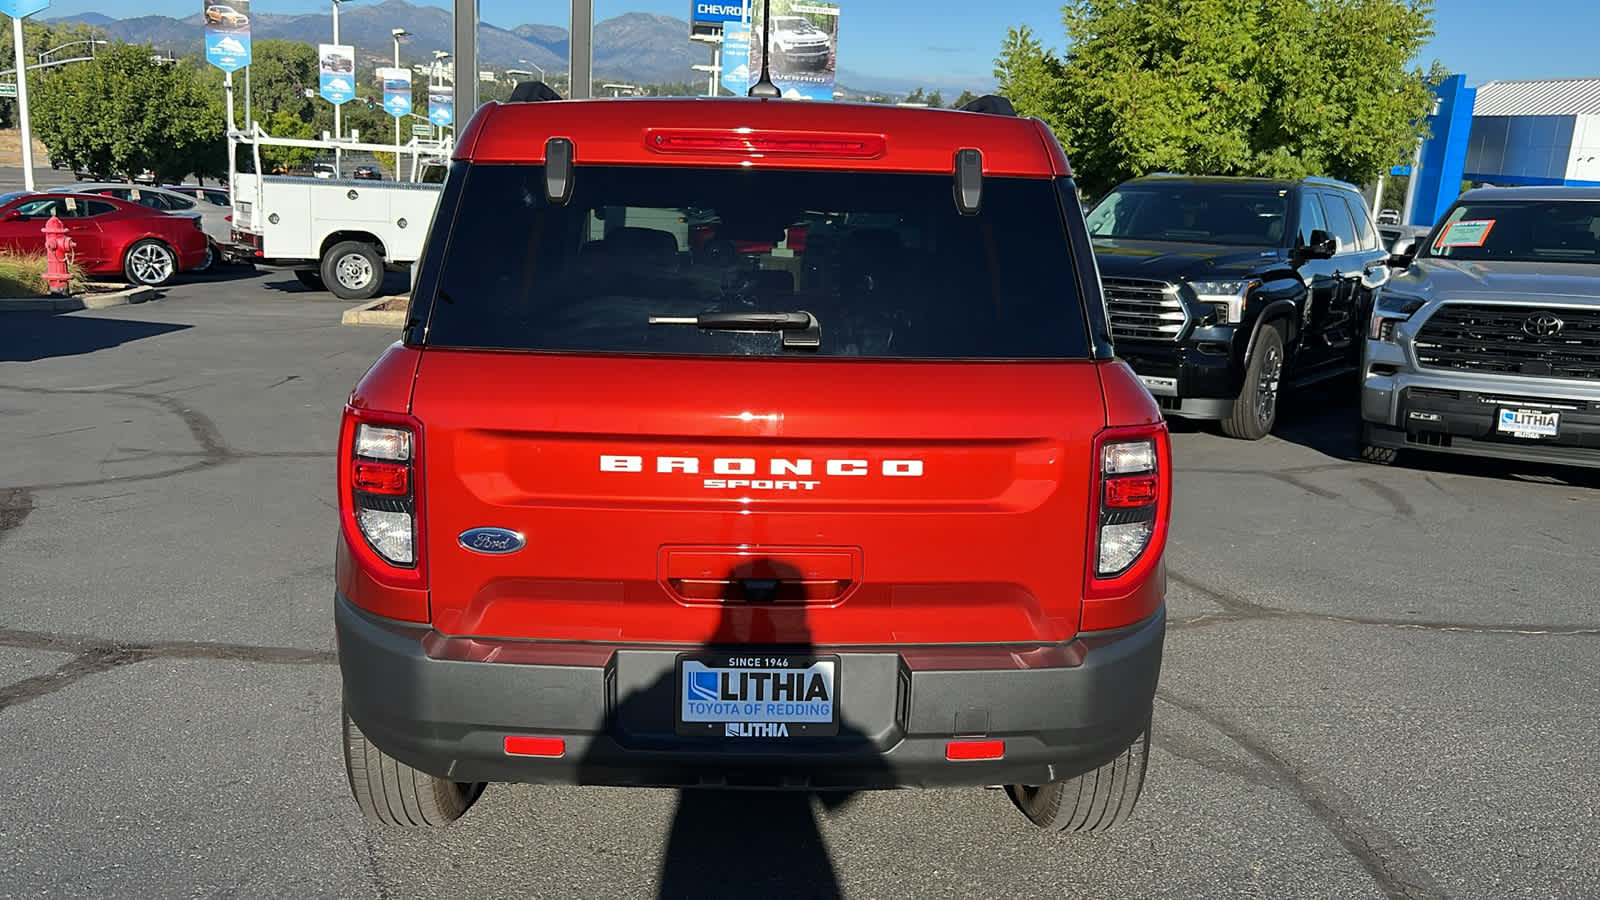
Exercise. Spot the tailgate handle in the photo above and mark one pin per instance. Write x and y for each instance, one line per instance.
(760, 575)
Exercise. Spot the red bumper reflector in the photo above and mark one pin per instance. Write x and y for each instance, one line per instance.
(1137, 490)
(522, 745)
(380, 478)
(975, 750)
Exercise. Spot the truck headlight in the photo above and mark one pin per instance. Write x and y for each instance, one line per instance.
(1389, 308)
(1226, 298)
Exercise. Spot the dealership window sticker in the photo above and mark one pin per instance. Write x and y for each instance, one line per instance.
(1466, 233)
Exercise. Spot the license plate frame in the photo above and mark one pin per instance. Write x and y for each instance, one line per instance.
(758, 724)
(1528, 423)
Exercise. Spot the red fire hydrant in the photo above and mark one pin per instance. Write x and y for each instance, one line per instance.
(57, 250)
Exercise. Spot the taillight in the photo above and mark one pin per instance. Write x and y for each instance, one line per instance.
(380, 458)
(1132, 507)
(380, 485)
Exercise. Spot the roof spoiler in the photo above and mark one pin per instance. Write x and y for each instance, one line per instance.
(532, 91)
(993, 104)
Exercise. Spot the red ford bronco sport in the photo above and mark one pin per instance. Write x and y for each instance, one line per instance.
(752, 443)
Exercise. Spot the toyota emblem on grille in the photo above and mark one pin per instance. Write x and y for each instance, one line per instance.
(1542, 325)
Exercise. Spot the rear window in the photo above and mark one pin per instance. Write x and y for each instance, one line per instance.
(884, 263)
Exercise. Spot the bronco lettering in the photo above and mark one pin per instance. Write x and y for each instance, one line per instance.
(690, 465)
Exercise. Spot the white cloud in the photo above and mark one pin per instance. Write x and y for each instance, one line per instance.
(339, 86)
(228, 45)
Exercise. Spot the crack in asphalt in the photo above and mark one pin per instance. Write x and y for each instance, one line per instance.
(15, 505)
(212, 450)
(1237, 609)
(93, 656)
(1382, 855)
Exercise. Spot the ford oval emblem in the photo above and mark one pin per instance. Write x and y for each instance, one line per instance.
(492, 540)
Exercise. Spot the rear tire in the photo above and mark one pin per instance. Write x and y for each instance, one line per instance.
(310, 279)
(1256, 409)
(353, 270)
(1093, 802)
(149, 263)
(389, 792)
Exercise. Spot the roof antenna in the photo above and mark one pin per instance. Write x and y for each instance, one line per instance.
(765, 87)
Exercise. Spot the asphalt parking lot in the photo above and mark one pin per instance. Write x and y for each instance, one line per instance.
(1379, 682)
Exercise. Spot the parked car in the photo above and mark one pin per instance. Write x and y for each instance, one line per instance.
(1396, 238)
(335, 62)
(1389, 217)
(797, 42)
(324, 170)
(1488, 342)
(215, 221)
(112, 237)
(1222, 291)
(367, 173)
(226, 17)
(215, 196)
(882, 512)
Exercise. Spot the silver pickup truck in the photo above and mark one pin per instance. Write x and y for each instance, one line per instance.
(1488, 342)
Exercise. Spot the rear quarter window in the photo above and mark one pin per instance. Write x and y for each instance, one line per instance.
(885, 262)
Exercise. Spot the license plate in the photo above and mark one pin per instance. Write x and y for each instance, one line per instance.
(1530, 423)
(1155, 384)
(758, 695)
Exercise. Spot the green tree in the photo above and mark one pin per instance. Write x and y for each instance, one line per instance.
(936, 100)
(122, 112)
(916, 96)
(286, 124)
(965, 98)
(1228, 87)
(69, 40)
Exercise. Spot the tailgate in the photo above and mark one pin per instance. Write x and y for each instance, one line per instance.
(673, 500)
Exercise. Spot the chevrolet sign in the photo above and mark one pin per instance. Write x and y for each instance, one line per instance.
(724, 11)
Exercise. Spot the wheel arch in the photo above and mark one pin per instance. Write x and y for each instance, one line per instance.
(352, 234)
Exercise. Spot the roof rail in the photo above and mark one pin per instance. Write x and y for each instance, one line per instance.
(532, 91)
(993, 104)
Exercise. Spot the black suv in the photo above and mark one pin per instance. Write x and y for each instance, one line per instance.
(1220, 290)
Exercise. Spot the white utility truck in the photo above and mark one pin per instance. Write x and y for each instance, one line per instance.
(340, 234)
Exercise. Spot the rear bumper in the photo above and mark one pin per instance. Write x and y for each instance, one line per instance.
(1061, 709)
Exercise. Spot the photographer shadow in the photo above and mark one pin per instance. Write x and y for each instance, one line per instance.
(745, 824)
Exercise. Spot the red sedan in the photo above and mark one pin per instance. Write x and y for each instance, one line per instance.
(111, 236)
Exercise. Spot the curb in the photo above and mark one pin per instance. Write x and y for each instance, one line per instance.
(368, 314)
(84, 301)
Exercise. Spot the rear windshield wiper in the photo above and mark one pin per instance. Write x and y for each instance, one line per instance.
(800, 330)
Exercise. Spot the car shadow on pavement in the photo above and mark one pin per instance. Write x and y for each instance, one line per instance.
(743, 840)
(32, 336)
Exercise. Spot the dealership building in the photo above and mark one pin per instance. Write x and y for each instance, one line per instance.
(1544, 132)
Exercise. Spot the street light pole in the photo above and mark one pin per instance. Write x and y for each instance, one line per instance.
(398, 34)
(338, 131)
(22, 105)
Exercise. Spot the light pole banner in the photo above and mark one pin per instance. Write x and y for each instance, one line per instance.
(396, 91)
(227, 33)
(442, 105)
(803, 43)
(736, 58)
(338, 70)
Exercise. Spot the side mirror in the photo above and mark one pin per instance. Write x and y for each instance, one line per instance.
(1404, 252)
(1322, 246)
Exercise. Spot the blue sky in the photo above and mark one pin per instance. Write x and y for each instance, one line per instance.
(953, 42)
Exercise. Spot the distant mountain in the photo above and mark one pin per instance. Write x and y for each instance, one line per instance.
(639, 48)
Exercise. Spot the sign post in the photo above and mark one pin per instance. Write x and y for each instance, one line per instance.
(19, 10)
